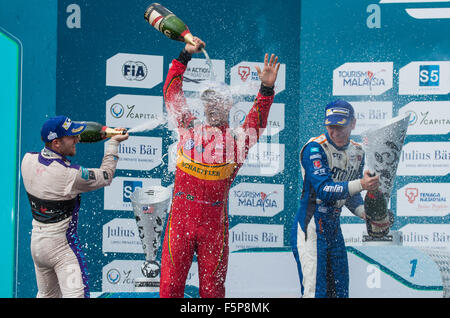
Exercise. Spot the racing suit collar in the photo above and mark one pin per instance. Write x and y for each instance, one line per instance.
(334, 145)
(47, 152)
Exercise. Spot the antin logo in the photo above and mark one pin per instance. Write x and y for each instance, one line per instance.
(134, 71)
(411, 194)
(128, 188)
(117, 110)
(244, 72)
(429, 75)
(113, 276)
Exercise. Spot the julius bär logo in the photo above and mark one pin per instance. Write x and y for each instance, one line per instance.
(411, 194)
(244, 72)
(134, 71)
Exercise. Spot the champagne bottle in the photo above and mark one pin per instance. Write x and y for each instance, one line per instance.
(95, 132)
(168, 23)
(375, 205)
(378, 218)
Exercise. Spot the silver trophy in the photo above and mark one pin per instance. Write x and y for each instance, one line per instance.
(383, 146)
(150, 206)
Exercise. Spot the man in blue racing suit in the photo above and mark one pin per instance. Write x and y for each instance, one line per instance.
(332, 168)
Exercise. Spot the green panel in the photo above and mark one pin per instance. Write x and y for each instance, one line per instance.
(10, 64)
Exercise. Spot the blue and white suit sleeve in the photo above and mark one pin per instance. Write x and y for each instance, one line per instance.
(314, 161)
(356, 203)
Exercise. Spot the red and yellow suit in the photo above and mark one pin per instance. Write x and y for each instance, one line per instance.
(208, 160)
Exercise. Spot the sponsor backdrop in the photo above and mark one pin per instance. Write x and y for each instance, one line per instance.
(385, 57)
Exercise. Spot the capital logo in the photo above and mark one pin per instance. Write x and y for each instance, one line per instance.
(113, 276)
(411, 194)
(117, 110)
(134, 71)
(412, 117)
(128, 188)
(239, 117)
(429, 75)
(244, 72)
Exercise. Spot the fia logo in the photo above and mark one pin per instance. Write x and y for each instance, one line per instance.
(134, 71)
(429, 75)
(128, 188)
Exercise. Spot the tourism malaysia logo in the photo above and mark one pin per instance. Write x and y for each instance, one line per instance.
(436, 9)
(362, 78)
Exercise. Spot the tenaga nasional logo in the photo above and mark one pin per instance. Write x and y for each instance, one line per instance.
(362, 78)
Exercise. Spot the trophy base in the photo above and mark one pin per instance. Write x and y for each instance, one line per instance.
(146, 285)
(393, 238)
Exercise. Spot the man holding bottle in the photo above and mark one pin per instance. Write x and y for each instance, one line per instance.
(208, 159)
(332, 168)
(54, 185)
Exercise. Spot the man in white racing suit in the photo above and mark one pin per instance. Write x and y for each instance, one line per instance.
(54, 185)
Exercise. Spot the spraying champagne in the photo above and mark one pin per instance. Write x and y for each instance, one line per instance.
(163, 20)
(95, 132)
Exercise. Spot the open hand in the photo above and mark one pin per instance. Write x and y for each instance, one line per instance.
(268, 75)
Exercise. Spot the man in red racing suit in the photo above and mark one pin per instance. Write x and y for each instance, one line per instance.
(208, 159)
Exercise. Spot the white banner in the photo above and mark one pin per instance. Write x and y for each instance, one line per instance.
(256, 199)
(370, 115)
(425, 78)
(130, 111)
(423, 199)
(244, 236)
(140, 153)
(425, 159)
(362, 78)
(117, 195)
(121, 236)
(264, 159)
(428, 118)
(198, 74)
(275, 120)
(245, 81)
(134, 70)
